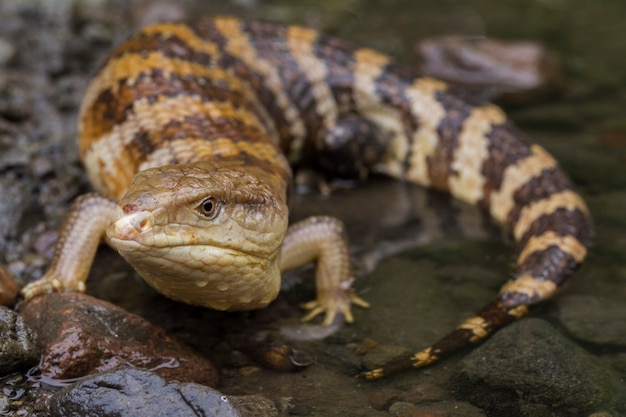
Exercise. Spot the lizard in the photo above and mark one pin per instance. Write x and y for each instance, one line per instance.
(190, 132)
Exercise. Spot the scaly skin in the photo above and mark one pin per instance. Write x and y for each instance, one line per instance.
(193, 128)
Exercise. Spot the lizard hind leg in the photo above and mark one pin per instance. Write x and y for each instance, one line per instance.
(350, 148)
(473, 330)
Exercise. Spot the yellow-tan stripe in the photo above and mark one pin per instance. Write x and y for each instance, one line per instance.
(429, 112)
(185, 33)
(194, 149)
(566, 199)
(105, 154)
(300, 41)
(467, 180)
(130, 66)
(368, 66)
(478, 326)
(515, 176)
(238, 44)
(567, 244)
(533, 288)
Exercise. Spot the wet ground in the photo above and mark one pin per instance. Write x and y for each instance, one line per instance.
(47, 50)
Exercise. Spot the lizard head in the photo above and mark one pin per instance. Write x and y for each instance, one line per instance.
(203, 234)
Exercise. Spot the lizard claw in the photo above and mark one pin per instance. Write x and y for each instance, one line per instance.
(48, 284)
(332, 303)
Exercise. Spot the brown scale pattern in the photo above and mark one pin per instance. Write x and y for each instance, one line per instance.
(552, 264)
(171, 47)
(449, 129)
(562, 222)
(506, 146)
(550, 182)
(112, 109)
(340, 75)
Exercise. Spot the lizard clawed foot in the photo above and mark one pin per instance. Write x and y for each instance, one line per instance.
(330, 303)
(48, 284)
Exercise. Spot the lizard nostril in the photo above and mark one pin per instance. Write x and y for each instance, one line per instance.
(129, 208)
(130, 226)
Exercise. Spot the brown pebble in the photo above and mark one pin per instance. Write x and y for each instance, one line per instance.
(279, 357)
(82, 335)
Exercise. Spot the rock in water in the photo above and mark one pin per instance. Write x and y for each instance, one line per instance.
(18, 342)
(82, 335)
(530, 366)
(137, 393)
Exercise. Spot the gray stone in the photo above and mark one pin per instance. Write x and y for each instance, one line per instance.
(133, 392)
(594, 319)
(18, 342)
(530, 365)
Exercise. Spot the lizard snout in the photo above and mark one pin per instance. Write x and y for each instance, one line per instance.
(129, 226)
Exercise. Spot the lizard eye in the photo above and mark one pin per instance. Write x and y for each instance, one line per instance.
(208, 207)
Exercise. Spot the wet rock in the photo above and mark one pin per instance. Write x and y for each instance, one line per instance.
(594, 319)
(529, 365)
(22, 396)
(82, 335)
(8, 288)
(133, 392)
(18, 342)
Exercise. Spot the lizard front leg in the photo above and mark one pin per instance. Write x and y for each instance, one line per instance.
(323, 240)
(76, 246)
